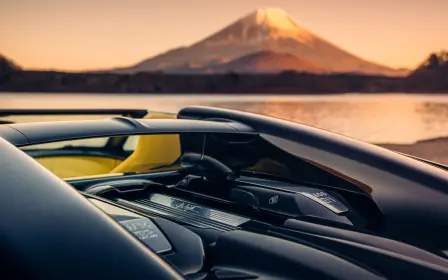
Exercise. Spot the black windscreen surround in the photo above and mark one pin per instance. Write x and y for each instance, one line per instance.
(237, 151)
(250, 152)
(192, 143)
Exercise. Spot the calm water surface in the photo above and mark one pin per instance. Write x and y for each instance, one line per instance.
(397, 118)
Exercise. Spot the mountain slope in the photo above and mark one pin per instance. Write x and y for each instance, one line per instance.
(262, 30)
(266, 62)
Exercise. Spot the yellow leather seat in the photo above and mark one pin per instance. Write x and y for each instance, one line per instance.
(74, 166)
(152, 151)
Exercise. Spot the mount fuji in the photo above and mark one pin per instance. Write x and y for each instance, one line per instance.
(262, 38)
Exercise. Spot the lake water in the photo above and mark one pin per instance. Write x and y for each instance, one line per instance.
(391, 118)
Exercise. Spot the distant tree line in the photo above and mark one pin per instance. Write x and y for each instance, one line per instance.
(430, 77)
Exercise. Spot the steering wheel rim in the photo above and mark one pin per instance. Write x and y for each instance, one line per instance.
(51, 231)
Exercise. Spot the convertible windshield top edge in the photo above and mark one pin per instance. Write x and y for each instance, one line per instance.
(22, 134)
(134, 113)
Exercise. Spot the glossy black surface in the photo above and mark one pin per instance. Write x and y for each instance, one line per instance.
(13, 135)
(297, 261)
(43, 132)
(135, 113)
(317, 252)
(174, 243)
(90, 152)
(188, 255)
(295, 204)
(51, 232)
(411, 195)
(389, 221)
(307, 229)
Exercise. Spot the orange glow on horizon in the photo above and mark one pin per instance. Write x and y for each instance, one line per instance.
(100, 34)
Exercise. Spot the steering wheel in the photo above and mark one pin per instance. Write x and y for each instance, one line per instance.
(48, 230)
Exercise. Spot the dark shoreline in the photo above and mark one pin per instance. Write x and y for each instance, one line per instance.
(214, 93)
(221, 93)
(288, 82)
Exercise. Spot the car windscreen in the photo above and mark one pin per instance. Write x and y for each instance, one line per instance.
(256, 154)
(241, 153)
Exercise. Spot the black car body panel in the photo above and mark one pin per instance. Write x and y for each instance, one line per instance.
(410, 194)
(26, 200)
(14, 136)
(44, 132)
(345, 209)
(134, 113)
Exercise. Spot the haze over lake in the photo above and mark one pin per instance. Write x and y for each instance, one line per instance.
(397, 118)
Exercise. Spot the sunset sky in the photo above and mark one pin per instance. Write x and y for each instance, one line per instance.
(91, 34)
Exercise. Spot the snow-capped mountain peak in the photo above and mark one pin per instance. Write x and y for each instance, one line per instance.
(272, 17)
(266, 29)
(274, 23)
